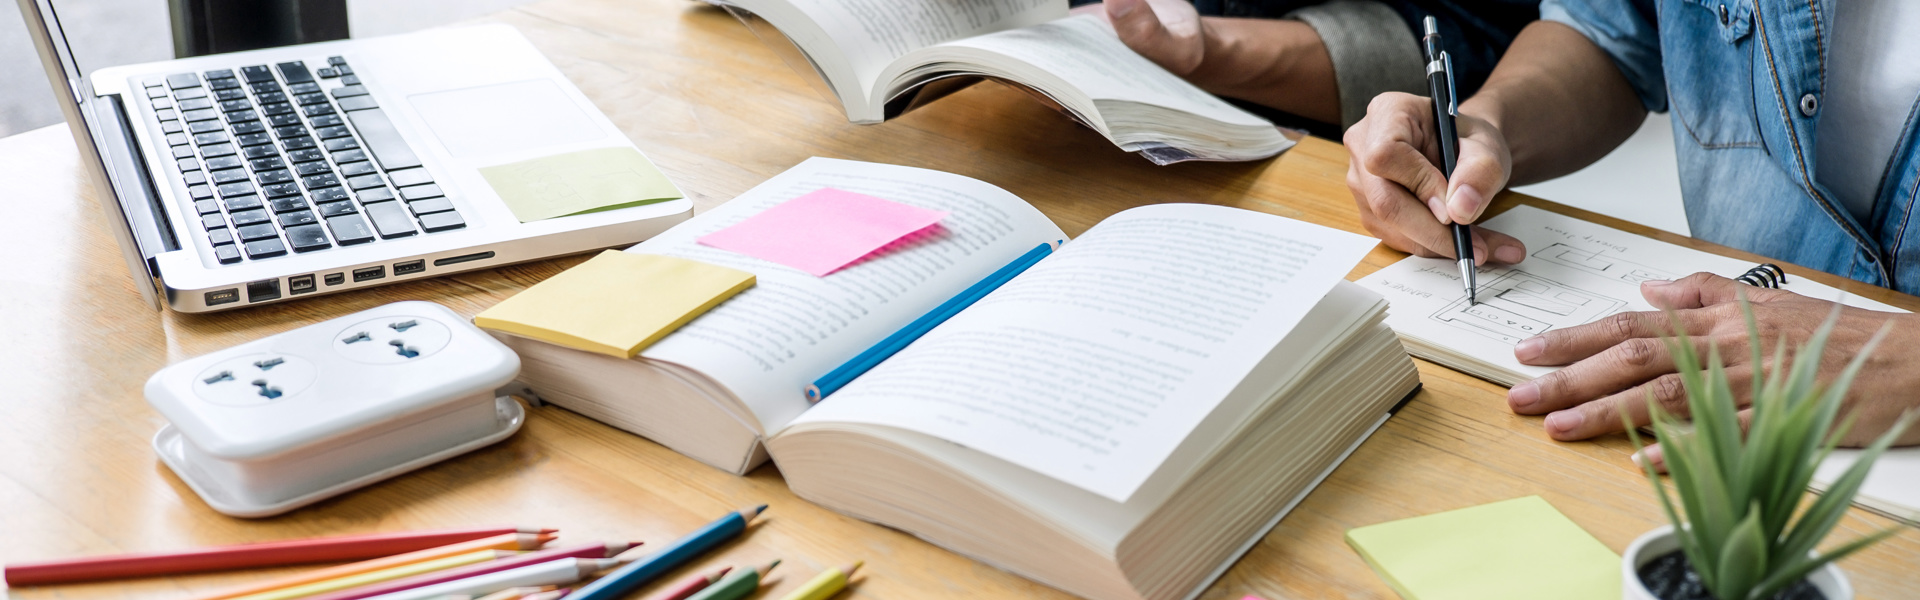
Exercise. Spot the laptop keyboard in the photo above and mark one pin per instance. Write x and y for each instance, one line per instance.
(276, 163)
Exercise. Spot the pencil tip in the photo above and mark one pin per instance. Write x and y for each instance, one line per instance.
(849, 569)
(719, 574)
(769, 567)
(750, 513)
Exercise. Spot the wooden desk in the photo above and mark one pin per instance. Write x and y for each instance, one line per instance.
(719, 113)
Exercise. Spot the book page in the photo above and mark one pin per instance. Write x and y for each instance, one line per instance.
(1084, 52)
(1576, 272)
(1096, 363)
(767, 343)
(872, 33)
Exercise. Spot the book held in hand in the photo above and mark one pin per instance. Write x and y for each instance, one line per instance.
(1122, 419)
(881, 58)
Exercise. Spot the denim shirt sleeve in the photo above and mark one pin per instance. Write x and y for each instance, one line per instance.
(1626, 30)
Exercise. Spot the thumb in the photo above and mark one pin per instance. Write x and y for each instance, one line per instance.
(1700, 290)
(1477, 175)
(1136, 24)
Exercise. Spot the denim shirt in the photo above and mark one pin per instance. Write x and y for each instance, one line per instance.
(1743, 79)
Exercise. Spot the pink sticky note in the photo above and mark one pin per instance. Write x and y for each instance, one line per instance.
(823, 230)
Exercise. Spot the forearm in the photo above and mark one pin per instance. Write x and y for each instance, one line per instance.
(1277, 63)
(1559, 101)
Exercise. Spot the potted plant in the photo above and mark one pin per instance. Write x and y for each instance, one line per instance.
(1748, 531)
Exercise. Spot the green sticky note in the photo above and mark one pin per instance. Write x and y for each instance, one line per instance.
(1519, 549)
(579, 182)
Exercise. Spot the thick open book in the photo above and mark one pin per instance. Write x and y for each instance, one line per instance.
(1578, 272)
(1121, 420)
(877, 57)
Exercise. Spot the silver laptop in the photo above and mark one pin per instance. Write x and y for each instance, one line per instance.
(271, 175)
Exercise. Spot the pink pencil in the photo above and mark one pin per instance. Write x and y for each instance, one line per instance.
(530, 558)
(688, 586)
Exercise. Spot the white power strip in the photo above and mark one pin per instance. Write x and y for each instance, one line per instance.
(268, 426)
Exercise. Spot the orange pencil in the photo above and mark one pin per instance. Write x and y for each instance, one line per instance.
(265, 554)
(508, 541)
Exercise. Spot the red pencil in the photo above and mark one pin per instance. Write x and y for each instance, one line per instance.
(595, 550)
(688, 586)
(241, 556)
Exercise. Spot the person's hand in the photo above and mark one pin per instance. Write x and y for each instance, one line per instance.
(1617, 363)
(1167, 32)
(1405, 200)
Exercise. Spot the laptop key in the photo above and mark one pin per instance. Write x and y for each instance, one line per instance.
(295, 72)
(196, 103)
(335, 61)
(379, 136)
(312, 168)
(327, 73)
(194, 177)
(353, 103)
(159, 103)
(226, 254)
(236, 189)
(200, 192)
(233, 105)
(187, 164)
(261, 151)
(390, 220)
(304, 88)
(430, 206)
(213, 221)
(335, 209)
(190, 93)
(298, 143)
(229, 176)
(344, 69)
(350, 80)
(289, 131)
(248, 127)
(268, 248)
(219, 74)
(176, 139)
(225, 89)
(298, 217)
(248, 217)
(308, 238)
(352, 90)
(166, 114)
(183, 80)
(350, 229)
(281, 189)
(216, 150)
(407, 177)
(220, 236)
(283, 120)
(170, 127)
(156, 92)
(256, 73)
(365, 181)
(442, 221)
(329, 194)
(240, 203)
(322, 180)
(271, 97)
(313, 98)
(206, 207)
(264, 87)
(242, 116)
(211, 137)
(276, 108)
(288, 204)
(420, 192)
(356, 168)
(257, 232)
(305, 155)
(224, 162)
(204, 126)
(337, 131)
(182, 151)
(349, 156)
(326, 121)
(338, 144)
(205, 114)
(255, 139)
(269, 178)
(371, 196)
(317, 110)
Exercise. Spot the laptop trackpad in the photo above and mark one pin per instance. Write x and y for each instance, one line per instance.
(521, 116)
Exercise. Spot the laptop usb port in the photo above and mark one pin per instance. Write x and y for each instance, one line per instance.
(409, 267)
(300, 284)
(369, 274)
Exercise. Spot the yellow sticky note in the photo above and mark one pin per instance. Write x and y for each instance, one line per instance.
(578, 182)
(1512, 549)
(617, 303)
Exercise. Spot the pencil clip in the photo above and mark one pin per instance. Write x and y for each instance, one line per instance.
(1767, 275)
(1453, 96)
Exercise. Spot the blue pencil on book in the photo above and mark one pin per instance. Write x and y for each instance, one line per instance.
(840, 376)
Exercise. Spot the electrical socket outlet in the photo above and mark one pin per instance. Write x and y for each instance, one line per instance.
(392, 340)
(254, 379)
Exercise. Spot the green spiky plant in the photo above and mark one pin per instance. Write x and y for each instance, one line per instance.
(1745, 532)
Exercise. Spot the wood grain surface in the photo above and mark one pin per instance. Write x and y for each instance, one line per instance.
(718, 112)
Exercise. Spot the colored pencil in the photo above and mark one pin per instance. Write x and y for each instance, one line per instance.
(626, 579)
(840, 376)
(688, 586)
(360, 579)
(594, 550)
(736, 585)
(517, 593)
(553, 595)
(554, 572)
(826, 584)
(505, 541)
(241, 556)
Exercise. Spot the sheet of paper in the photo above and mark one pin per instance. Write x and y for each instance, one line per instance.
(1096, 363)
(578, 182)
(822, 231)
(615, 303)
(766, 344)
(1518, 549)
(872, 33)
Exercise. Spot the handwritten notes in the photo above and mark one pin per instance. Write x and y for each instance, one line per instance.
(1519, 548)
(617, 303)
(824, 230)
(578, 182)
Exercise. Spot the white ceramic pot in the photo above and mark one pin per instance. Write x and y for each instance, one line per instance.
(1653, 544)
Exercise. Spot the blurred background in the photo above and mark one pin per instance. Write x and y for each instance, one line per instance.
(1638, 182)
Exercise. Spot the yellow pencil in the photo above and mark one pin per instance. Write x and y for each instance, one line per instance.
(508, 541)
(357, 580)
(826, 584)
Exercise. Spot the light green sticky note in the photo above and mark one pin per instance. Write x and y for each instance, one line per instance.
(1512, 549)
(579, 182)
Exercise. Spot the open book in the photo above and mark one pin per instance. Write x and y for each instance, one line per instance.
(1121, 420)
(876, 56)
(1578, 272)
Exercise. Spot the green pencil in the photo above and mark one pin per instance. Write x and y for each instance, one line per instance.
(735, 585)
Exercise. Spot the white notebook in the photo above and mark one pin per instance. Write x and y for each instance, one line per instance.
(1577, 272)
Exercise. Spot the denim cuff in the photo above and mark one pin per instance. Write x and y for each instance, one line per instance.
(1372, 49)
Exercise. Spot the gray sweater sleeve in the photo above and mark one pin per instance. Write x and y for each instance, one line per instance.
(1373, 52)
